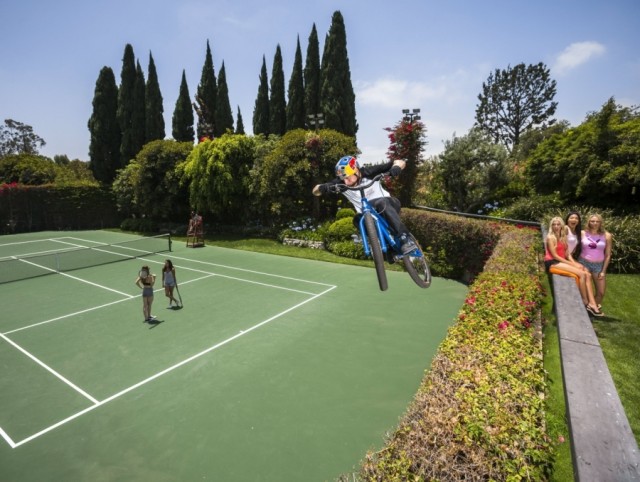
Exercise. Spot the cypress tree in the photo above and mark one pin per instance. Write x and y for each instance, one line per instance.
(337, 98)
(125, 105)
(182, 122)
(277, 103)
(104, 147)
(239, 123)
(206, 99)
(138, 116)
(224, 117)
(154, 111)
(295, 105)
(261, 108)
(312, 75)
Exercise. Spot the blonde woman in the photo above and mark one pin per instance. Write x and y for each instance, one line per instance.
(556, 260)
(595, 255)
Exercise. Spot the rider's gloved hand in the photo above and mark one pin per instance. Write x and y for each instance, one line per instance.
(395, 171)
(319, 189)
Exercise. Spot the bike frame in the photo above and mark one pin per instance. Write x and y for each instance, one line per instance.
(384, 235)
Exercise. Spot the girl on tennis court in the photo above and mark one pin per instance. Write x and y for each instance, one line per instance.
(145, 282)
(169, 281)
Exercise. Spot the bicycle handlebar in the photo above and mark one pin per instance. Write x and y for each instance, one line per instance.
(338, 188)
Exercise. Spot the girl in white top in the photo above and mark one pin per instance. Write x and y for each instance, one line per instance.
(573, 223)
(169, 281)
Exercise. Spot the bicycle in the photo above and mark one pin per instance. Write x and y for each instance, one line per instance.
(378, 239)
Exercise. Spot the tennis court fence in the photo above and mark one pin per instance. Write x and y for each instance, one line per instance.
(15, 268)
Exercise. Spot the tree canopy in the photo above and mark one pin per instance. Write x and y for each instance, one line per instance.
(337, 98)
(514, 100)
(277, 102)
(182, 122)
(597, 162)
(18, 138)
(472, 167)
(206, 98)
(104, 146)
(261, 108)
(295, 94)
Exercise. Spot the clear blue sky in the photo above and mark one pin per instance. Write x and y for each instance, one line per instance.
(432, 55)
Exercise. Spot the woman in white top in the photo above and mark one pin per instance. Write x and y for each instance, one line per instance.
(169, 281)
(573, 226)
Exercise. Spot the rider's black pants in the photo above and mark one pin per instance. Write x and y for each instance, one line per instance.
(389, 208)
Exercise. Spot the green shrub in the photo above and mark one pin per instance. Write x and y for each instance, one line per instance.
(531, 208)
(345, 213)
(303, 229)
(139, 225)
(458, 247)
(340, 230)
(347, 249)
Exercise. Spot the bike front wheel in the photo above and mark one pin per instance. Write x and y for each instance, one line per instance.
(376, 250)
(417, 266)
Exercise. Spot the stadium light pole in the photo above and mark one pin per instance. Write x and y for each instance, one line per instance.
(410, 115)
(315, 121)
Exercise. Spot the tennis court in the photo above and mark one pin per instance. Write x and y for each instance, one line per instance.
(276, 368)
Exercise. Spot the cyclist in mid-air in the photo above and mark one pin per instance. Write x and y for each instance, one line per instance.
(349, 172)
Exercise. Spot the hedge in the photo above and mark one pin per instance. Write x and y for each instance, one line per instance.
(478, 414)
(49, 207)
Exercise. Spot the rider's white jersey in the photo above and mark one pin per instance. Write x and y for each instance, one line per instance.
(374, 191)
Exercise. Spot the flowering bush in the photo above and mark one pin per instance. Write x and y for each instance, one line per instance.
(479, 412)
(303, 229)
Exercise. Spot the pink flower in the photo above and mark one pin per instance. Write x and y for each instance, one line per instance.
(503, 325)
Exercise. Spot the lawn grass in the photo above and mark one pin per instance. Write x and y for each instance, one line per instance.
(619, 335)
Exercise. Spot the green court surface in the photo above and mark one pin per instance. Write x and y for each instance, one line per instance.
(275, 369)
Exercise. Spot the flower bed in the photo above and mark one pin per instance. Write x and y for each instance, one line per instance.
(478, 414)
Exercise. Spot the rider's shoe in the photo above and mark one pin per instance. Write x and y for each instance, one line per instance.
(391, 258)
(407, 244)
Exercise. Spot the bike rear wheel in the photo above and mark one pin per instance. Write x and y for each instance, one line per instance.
(417, 267)
(376, 250)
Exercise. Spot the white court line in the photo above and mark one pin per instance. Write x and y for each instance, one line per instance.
(76, 278)
(49, 369)
(165, 371)
(251, 271)
(8, 439)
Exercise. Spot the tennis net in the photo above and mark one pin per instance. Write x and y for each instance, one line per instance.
(18, 268)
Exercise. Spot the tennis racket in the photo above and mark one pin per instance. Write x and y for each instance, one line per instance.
(143, 273)
(179, 296)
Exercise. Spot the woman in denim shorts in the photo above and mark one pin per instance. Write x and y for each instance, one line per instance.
(595, 254)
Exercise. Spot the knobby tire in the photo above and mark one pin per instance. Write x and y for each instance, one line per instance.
(417, 267)
(376, 250)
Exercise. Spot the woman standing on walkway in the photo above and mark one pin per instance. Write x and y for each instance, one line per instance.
(597, 243)
(556, 261)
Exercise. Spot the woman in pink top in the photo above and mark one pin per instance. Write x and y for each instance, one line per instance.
(596, 253)
(557, 262)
